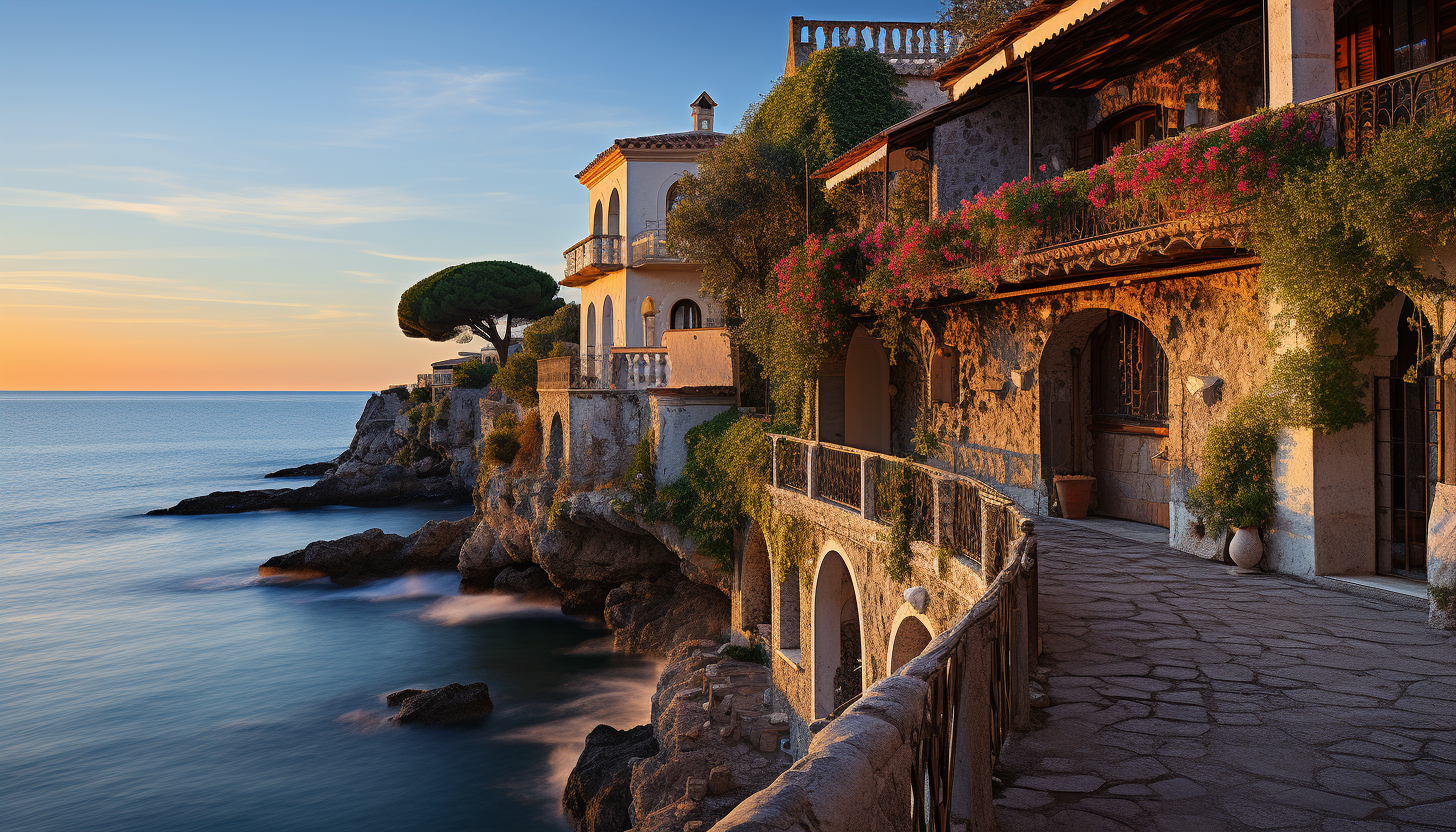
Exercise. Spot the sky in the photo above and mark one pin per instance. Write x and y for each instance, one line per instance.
(224, 196)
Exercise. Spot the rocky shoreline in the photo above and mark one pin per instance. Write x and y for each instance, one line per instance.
(704, 750)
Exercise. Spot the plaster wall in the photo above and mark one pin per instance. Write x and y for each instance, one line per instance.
(628, 288)
(672, 417)
(601, 434)
(700, 357)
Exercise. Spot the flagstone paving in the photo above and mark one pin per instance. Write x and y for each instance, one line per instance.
(1186, 699)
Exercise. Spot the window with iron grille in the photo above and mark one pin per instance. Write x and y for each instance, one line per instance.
(1129, 373)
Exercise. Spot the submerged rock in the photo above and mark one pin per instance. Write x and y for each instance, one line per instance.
(441, 706)
(312, 469)
(373, 554)
(399, 697)
(599, 791)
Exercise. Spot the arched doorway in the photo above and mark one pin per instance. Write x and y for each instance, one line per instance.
(867, 393)
(686, 314)
(754, 579)
(838, 649)
(910, 639)
(1105, 412)
(555, 447)
(1408, 447)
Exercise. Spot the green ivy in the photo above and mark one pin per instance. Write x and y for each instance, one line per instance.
(1237, 486)
(896, 486)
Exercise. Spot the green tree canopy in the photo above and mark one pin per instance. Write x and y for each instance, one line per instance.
(517, 377)
(485, 298)
(974, 19)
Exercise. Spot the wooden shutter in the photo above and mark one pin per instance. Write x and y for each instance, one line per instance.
(1084, 147)
(1355, 46)
(1443, 25)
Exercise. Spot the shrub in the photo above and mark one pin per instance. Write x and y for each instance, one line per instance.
(399, 391)
(474, 374)
(642, 474)
(421, 394)
(502, 444)
(724, 483)
(1237, 486)
(754, 653)
(528, 437)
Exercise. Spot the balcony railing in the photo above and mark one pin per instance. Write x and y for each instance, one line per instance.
(946, 509)
(596, 255)
(650, 247)
(640, 368)
(899, 43)
(445, 379)
(1358, 116)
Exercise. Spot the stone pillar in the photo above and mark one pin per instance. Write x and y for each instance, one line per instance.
(1441, 557)
(1301, 44)
(811, 480)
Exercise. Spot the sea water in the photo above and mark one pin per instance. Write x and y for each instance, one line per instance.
(152, 682)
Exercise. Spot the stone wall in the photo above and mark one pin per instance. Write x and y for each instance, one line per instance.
(980, 151)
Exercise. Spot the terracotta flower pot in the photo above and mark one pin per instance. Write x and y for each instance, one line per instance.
(1074, 494)
(1246, 550)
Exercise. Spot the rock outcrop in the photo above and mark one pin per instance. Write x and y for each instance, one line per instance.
(598, 794)
(717, 744)
(312, 469)
(442, 706)
(373, 554)
(604, 564)
(373, 471)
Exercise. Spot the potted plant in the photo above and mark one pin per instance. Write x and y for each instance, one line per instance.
(1074, 494)
(1236, 490)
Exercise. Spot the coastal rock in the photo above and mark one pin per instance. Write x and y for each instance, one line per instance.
(441, 706)
(369, 473)
(598, 791)
(655, 616)
(700, 774)
(399, 697)
(312, 469)
(373, 554)
(530, 581)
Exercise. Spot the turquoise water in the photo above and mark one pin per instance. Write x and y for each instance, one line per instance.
(153, 683)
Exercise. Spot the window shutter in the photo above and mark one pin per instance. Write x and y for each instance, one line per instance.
(1084, 146)
(1445, 28)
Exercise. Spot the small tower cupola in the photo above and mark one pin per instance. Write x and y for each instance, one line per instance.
(703, 113)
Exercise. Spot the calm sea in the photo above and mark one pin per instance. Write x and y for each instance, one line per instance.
(151, 682)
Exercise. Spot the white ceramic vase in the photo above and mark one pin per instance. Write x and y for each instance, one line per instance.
(1246, 550)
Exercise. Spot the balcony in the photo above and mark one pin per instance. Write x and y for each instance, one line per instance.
(650, 248)
(965, 516)
(591, 258)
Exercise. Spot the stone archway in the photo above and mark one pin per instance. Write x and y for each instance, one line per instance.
(838, 644)
(755, 594)
(1104, 382)
(908, 641)
(555, 447)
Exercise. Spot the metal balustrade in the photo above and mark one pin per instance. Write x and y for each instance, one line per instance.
(598, 253)
(946, 509)
(650, 247)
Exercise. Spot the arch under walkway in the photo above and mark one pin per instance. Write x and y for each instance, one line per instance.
(1184, 698)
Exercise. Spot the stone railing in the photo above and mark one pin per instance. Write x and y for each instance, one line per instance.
(597, 254)
(444, 379)
(650, 247)
(912, 48)
(558, 373)
(640, 368)
(916, 751)
(962, 514)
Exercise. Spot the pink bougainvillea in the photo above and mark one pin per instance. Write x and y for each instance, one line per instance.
(886, 271)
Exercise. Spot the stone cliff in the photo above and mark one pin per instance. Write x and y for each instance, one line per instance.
(400, 452)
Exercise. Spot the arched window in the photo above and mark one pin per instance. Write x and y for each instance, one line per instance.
(591, 325)
(614, 215)
(608, 331)
(674, 193)
(1137, 125)
(1129, 374)
(597, 220)
(686, 315)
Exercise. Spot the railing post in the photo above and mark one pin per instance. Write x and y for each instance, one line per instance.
(972, 800)
(1033, 589)
(773, 461)
(1020, 659)
(935, 496)
(811, 472)
(867, 486)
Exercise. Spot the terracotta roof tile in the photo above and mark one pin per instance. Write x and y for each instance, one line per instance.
(691, 140)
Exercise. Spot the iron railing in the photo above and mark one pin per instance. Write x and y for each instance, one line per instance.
(650, 247)
(942, 508)
(597, 253)
(1358, 116)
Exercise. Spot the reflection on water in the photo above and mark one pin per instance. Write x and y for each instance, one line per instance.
(154, 682)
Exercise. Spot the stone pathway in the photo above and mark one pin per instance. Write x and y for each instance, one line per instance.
(1187, 699)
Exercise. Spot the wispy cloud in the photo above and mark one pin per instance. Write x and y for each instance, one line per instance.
(70, 275)
(272, 206)
(78, 291)
(329, 315)
(134, 254)
(427, 88)
(409, 257)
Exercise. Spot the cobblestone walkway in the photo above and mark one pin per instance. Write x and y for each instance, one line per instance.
(1186, 699)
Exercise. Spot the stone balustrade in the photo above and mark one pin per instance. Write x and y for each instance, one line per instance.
(640, 368)
(912, 48)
